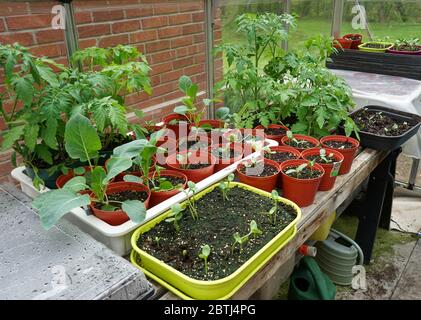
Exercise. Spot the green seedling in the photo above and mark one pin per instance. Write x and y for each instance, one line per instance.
(157, 240)
(326, 158)
(225, 186)
(175, 216)
(184, 253)
(191, 203)
(241, 240)
(183, 160)
(298, 170)
(273, 212)
(204, 254)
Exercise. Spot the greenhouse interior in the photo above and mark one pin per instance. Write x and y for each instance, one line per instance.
(135, 135)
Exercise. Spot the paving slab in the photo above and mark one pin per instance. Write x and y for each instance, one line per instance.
(61, 263)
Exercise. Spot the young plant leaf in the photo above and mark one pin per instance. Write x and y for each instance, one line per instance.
(76, 184)
(135, 209)
(116, 165)
(130, 149)
(132, 178)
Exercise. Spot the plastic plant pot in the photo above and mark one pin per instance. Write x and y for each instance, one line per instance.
(342, 43)
(263, 183)
(277, 138)
(179, 129)
(355, 38)
(64, 178)
(349, 154)
(301, 191)
(312, 140)
(198, 157)
(49, 180)
(385, 46)
(394, 51)
(118, 217)
(159, 196)
(190, 288)
(331, 169)
(223, 163)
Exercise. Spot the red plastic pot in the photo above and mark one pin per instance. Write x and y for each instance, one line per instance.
(343, 43)
(159, 196)
(194, 175)
(64, 178)
(215, 135)
(393, 51)
(329, 178)
(349, 154)
(193, 138)
(178, 129)
(119, 217)
(277, 138)
(312, 140)
(223, 163)
(354, 43)
(264, 183)
(301, 191)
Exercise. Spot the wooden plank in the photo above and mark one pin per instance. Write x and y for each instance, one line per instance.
(312, 217)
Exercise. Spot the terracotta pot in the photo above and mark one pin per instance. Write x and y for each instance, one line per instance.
(194, 175)
(349, 154)
(223, 163)
(192, 138)
(120, 176)
(312, 140)
(119, 217)
(264, 183)
(159, 196)
(64, 178)
(277, 138)
(342, 44)
(283, 149)
(178, 129)
(329, 178)
(300, 191)
(215, 135)
(354, 43)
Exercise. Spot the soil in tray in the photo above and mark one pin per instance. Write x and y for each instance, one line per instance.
(122, 196)
(339, 144)
(318, 159)
(218, 221)
(301, 144)
(268, 171)
(275, 131)
(306, 173)
(226, 154)
(280, 156)
(378, 123)
(375, 46)
(175, 181)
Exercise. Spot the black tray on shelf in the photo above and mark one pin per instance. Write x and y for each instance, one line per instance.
(389, 143)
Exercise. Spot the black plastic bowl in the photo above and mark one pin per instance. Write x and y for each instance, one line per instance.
(389, 143)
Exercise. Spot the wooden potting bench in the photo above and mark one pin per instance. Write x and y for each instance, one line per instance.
(372, 171)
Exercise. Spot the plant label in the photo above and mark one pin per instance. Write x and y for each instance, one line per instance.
(335, 169)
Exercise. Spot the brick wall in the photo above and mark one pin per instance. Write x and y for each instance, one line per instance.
(170, 34)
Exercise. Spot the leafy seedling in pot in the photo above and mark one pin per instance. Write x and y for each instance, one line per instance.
(225, 186)
(297, 171)
(272, 213)
(175, 216)
(204, 254)
(241, 240)
(326, 158)
(191, 203)
(183, 160)
(291, 138)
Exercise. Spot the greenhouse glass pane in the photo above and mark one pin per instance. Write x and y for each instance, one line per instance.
(393, 19)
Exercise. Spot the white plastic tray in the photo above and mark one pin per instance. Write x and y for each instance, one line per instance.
(117, 238)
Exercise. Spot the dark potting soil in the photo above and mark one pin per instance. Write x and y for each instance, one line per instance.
(225, 154)
(375, 46)
(175, 181)
(280, 156)
(275, 131)
(195, 166)
(306, 173)
(268, 171)
(301, 144)
(379, 123)
(319, 159)
(354, 38)
(124, 195)
(407, 48)
(218, 221)
(339, 144)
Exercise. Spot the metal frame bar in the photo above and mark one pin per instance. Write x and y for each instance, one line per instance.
(70, 32)
(209, 67)
(338, 10)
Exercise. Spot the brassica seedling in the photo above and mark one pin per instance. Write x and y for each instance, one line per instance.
(272, 213)
(325, 158)
(190, 199)
(241, 240)
(175, 216)
(206, 250)
(225, 186)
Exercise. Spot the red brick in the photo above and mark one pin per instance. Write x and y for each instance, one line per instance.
(140, 36)
(200, 58)
(193, 28)
(198, 17)
(23, 38)
(125, 26)
(171, 76)
(112, 41)
(86, 43)
(165, 8)
(162, 56)
(181, 42)
(47, 36)
(2, 124)
(161, 68)
(193, 49)
(92, 4)
(32, 22)
(9, 105)
(157, 46)
(156, 80)
(83, 17)
(139, 12)
(218, 35)
(199, 38)
(170, 32)
(93, 30)
(180, 63)
(41, 7)
(190, 6)
(181, 18)
(14, 8)
(49, 50)
(174, 95)
(182, 52)
(2, 25)
(165, 88)
(195, 69)
(108, 15)
(154, 22)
